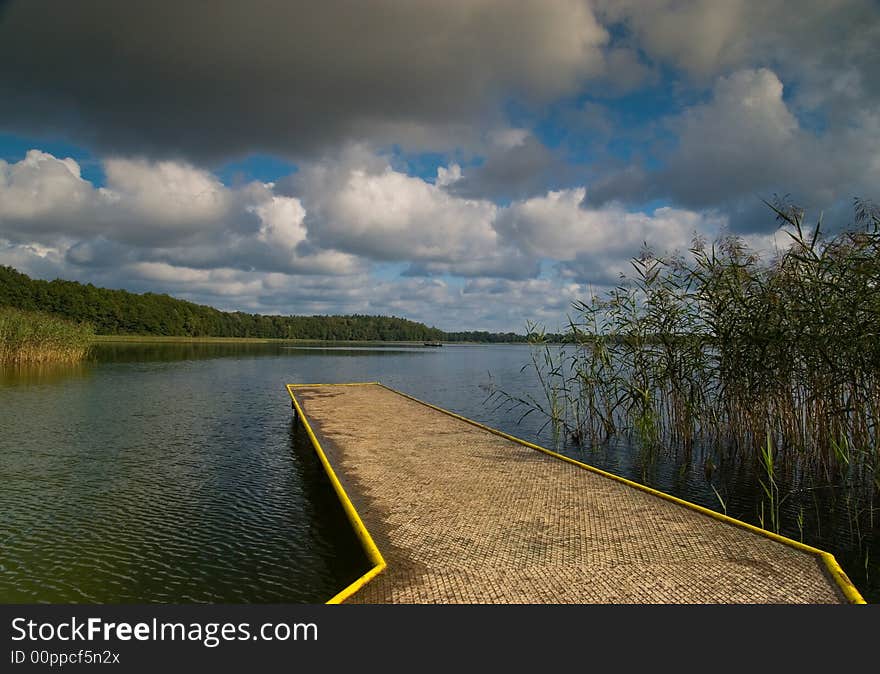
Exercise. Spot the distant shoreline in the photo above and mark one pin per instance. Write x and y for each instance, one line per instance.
(270, 340)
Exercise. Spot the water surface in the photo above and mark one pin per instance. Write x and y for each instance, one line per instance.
(171, 472)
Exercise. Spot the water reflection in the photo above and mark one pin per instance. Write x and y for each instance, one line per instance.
(136, 352)
(43, 373)
(343, 558)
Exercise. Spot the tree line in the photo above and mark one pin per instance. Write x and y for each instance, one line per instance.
(119, 312)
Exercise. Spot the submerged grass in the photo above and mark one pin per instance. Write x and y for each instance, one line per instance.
(33, 338)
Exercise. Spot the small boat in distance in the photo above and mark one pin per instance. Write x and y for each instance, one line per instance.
(433, 343)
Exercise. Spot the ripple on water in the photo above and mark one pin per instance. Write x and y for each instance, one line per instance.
(137, 484)
(167, 473)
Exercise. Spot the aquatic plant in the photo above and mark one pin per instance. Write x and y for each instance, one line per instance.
(775, 361)
(29, 337)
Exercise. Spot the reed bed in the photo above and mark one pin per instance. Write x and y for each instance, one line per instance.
(774, 359)
(34, 338)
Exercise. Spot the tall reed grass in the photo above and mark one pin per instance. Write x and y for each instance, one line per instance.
(29, 338)
(779, 359)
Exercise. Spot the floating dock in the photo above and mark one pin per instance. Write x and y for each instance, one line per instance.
(450, 511)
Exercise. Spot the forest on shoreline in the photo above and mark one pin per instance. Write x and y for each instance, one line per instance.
(119, 312)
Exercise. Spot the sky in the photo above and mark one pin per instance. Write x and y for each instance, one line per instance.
(473, 164)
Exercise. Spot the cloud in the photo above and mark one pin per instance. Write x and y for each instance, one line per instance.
(163, 211)
(164, 200)
(702, 37)
(336, 216)
(360, 205)
(206, 82)
(794, 89)
(42, 190)
(515, 165)
(625, 71)
(745, 143)
(595, 244)
(446, 176)
(807, 39)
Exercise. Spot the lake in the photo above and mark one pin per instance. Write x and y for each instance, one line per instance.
(171, 472)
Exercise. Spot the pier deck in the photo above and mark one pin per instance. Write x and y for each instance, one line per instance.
(449, 512)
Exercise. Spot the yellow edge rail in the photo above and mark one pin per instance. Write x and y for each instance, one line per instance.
(363, 535)
(837, 574)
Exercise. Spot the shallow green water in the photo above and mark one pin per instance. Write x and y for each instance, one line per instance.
(173, 473)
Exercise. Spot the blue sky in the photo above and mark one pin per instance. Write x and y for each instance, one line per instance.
(475, 165)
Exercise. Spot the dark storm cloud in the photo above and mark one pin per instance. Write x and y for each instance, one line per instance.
(521, 171)
(209, 80)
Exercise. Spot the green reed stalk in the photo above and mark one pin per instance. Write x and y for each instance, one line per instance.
(744, 354)
(32, 338)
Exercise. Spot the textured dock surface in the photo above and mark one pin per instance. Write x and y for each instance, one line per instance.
(463, 515)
